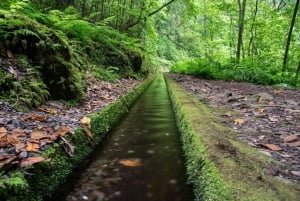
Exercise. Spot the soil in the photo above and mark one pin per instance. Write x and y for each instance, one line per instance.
(265, 117)
(26, 134)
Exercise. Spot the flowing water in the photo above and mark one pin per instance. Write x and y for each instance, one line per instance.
(141, 159)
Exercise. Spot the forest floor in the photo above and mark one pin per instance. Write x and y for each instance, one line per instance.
(265, 117)
(24, 135)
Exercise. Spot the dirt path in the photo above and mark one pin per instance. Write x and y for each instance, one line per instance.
(26, 134)
(267, 118)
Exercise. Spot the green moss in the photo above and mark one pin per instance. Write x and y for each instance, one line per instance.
(220, 166)
(46, 177)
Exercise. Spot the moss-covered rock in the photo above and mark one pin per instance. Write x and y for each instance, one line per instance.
(41, 180)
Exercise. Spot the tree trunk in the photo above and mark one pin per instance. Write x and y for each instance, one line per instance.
(242, 9)
(297, 73)
(252, 31)
(288, 40)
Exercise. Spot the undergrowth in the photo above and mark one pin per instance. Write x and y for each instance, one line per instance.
(252, 71)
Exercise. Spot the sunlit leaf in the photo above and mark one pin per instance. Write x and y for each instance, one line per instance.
(85, 120)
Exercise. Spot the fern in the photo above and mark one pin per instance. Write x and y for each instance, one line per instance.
(13, 182)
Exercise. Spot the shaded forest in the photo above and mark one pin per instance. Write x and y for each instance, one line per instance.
(49, 47)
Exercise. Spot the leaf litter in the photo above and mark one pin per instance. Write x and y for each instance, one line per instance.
(24, 135)
(265, 117)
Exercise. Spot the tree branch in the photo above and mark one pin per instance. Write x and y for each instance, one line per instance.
(160, 8)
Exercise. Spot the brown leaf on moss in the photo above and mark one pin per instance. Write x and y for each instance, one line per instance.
(68, 147)
(85, 120)
(30, 161)
(88, 132)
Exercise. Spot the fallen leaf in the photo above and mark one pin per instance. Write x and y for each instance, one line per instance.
(85, 120)
(3, 132)
(34, 117)
(12, 139)
(7, 161)
(31, 146)
(63, 130)
(38, 135)
(272, 147)
(88, 132)
(130, 162)
(18, 132)
(294, 144)
(3, 141)
(9, 54)
(260, 99)
(228, 114)
(52, 111)
(30, 161)
(291, 138)
(273, 119)
(20, 147)
(261, 110)
(68, 147)
(239, 121)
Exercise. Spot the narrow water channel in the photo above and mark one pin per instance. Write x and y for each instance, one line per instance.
(141, 160)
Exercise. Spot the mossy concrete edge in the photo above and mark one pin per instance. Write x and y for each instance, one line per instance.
(220, 166)
(41, 180)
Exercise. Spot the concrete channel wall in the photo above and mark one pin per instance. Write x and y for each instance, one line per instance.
(41, 180)
(220, 166)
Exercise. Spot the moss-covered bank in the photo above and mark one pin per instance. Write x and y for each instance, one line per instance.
(41, 180)
(220, 166)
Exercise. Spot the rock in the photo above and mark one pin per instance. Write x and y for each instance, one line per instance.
(297, 173)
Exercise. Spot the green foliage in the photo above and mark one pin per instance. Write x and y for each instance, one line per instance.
(252, 71)
(24, 93)
(14, 183)
(109, 74)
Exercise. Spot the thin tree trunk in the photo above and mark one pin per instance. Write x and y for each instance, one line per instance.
(242, 9)
(297, 72)
(251, 42)
(288, 40)
(83, 6)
